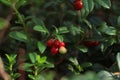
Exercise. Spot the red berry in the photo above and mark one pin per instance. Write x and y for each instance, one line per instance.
(50, 43)
(77, 4)
(88, 43)
(56, 43)
(62, 44)
(95, 43)
(54, 51)
(91, 43)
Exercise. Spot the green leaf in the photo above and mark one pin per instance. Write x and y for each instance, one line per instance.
(49, 65)
(32, 57)
(27, 66)
(41, 60)
(59, 37)
(88, 23)
(62, 30)
(41, 28)
(118, 59)
(74, 61)
(104, 3)
(88, 7)
(118, 20)
(104, 75)
(11, 58)
(6, 2)
(82, 48)
(20, 3)
(111, 31)
(86, 64)
(41, 47)
(18, 36)
(31, 76)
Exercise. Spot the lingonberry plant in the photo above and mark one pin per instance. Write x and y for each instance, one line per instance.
(34, 35)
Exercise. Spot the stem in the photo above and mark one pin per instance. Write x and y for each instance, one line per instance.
(36, 72)
(20, 18)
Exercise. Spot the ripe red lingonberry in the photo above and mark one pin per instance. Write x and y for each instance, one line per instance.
(77, 4)
(95, 43)
(56, 43)
(62, 44)
(54, 51)
(87, 43)
(50, 42)
(91, 43)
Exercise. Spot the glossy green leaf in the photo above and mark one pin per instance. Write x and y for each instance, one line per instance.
(32, 57)
(18, 36)
(27, 66)
(31, 77)
(88, 6)
(6, 2)
(74, 61)
(41, 28)
(41, 47)
(83, 49)
(118, 59)
(104, 75)
(62, 30)
(111, 31)
(20, 3)
(59, 37)
(104, 3)
(41, 60)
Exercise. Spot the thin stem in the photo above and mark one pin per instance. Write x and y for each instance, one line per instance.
(23, 24)
(36, 72)
(20, 18)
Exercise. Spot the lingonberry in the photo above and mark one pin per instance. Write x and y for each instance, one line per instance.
(91, 43)
(50, 42)
(62, 50)
(56, 43)
(54, 50)
(62, 44)
(95, 43)
(77, 4)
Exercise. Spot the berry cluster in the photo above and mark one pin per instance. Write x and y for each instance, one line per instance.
(91, 43)
(77, 4)
(56, 46)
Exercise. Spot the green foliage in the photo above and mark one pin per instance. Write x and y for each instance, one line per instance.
(36, 21)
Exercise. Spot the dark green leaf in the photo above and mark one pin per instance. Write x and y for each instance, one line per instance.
(32, 57)
(62, 30)
(59, 37)
(41, 46)
(31, 77)
(41, 28)
(83, 49)
(104, 3)
(6, 2)
(74, 61)
(18, 36)
(118, 59)
(20, 3)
